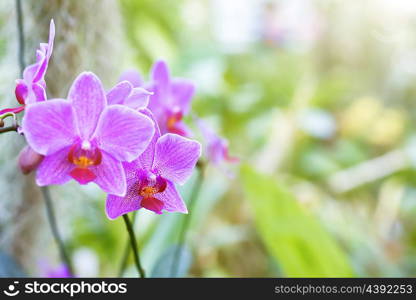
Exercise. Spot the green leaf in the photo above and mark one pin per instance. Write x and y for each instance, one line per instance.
(174, 262)
(294, 237)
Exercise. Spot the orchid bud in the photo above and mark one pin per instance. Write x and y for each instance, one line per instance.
(21, 92)
(29, 160)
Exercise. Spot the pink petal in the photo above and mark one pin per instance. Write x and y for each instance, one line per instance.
(49, 126)
(172, 200)
(160, 73)
(21, 91)
(216, 146)
(182, 91)
(146, 158)
(161, 80)
(117, 206)
(180, 128)
(175, 157)
(88, 101)
(119, 93)
(51, 37)
(29, 72)
(38, 93)
(83, 175)
(139, 98)
(110, 175)
(133, 77)
(54, 169)
(123, 132)
(152, 204)
(47, 52)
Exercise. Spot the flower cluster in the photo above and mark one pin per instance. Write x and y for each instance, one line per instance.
(131, 140)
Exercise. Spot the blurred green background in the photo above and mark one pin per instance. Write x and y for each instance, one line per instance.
(316, 98)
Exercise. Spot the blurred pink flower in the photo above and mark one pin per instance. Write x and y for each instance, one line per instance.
(216, 146)
(61, 271)
(171, 100)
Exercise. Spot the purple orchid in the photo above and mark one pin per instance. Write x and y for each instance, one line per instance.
(171, 100)
(84, 138)
(151, 179)
(31, 88)
(216, 146)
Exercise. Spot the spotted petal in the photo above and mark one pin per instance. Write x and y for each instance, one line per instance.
(172, 200)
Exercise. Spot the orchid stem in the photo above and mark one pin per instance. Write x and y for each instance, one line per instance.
(126, 251)
(133, 244)
(8, 129)
(21, 35)
(54, 227)
(185, 225)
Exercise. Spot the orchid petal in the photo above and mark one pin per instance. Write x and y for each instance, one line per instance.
(49, 126)
(54, 169)
(123, 132)
(110, 175)
(146, 158)
(117, 206)
(139, 98)
(133, 77)
(88, 101)
(172, 200)
(119, 93)
(176, 157)
(182, 93)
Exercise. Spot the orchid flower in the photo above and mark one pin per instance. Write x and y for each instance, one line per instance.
(31, 88)
(171, 100)
(216, 146)
(151, 178)
(84, 138)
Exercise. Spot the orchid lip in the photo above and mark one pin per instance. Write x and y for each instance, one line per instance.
(149, 187)
(173, 119)
(83, 157)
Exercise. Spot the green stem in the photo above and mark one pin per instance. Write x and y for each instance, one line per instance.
(54, 227)
(21, 35)
(126, 252)
(133, 244)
